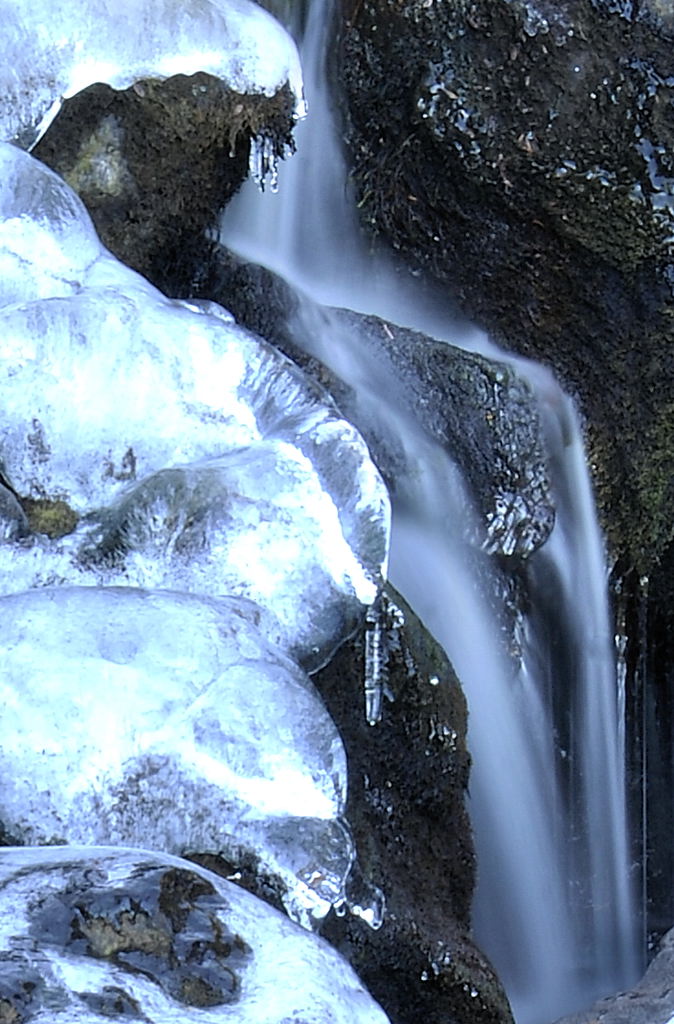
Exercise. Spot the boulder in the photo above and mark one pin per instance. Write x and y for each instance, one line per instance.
(195, 93)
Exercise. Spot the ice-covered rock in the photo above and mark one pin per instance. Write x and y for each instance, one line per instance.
(53, 50)
(184, 452)
(87, 935)
(169, 721)
(47, 240)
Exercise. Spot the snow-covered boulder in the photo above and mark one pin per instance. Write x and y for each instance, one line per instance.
(182, 451)
(90, 934)
(54, 50)
(169, 721)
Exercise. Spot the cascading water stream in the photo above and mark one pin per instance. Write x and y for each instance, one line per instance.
(553, 907)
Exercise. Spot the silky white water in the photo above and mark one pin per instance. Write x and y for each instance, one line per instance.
(553, 907)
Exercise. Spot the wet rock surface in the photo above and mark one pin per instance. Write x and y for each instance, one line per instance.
(482, 412)
(408, 808)
(521, 154)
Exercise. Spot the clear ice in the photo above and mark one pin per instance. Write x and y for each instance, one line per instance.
(169, 721)
(53, 49)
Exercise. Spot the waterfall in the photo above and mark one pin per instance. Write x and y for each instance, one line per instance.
(553, 907)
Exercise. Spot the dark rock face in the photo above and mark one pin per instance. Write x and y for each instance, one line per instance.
(486, 416)
(406, 806)
(518, 152)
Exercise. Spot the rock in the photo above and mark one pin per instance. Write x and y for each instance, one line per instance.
(484, 414)
(407, 806)
(164, 109)
(156, 163)
(163, 719)
(89, 934)
(519, 153)
(13, 519)
(202, 89)
(649, 1001)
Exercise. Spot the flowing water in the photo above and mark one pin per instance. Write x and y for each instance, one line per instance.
(553, 907)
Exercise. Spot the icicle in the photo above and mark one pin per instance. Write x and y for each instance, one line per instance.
(364, 899)
(376, 668)
(383, 621)
(263, 163)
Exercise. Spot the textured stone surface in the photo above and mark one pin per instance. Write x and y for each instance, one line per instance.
(156, 163)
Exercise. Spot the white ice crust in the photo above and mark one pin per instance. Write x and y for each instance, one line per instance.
(225, 525)
(284, 973)
(52, 49)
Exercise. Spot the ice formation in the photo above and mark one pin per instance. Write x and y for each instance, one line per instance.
(148, 443)
(52, 49)
(169, 721)
(90, 934)
(189, 454)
